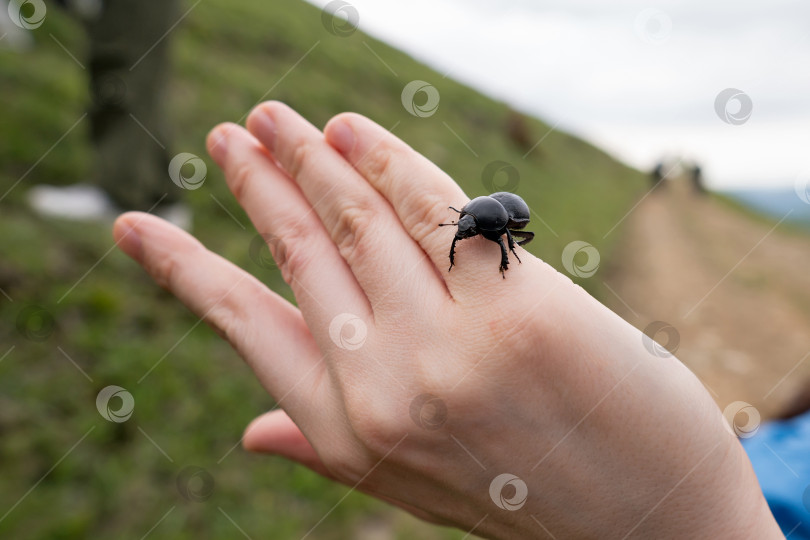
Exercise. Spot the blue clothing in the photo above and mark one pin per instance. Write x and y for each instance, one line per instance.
(780, 454)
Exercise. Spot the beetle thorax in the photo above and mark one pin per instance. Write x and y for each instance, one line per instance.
(489, 214)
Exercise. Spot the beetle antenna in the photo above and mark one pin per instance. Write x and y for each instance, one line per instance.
(452, 222)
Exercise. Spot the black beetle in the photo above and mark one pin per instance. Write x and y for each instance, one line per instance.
(493, 216)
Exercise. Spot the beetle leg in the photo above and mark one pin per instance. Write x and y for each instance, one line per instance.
(504, 257)
(452, 253)
(526, 235)
(512, 245)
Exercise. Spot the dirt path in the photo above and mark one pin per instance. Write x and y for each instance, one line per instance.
(737, 291)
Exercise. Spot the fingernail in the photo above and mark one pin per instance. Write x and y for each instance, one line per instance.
(341, 136)
(262, 125)
(218, 144)
(128, 240)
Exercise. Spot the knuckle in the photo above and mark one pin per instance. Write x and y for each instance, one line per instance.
(378, 167)
(164, 270)
(171, 270)
(377, 428)
(292, 260)
(239, 179)
(291, 246)
(227, 314)
(353, 231)
(224, 320)
(387, 169)
(424, 215)
(167, 268)
(346, 463)
(298, 158)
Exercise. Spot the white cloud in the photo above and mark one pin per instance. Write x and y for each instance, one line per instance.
(589, 66)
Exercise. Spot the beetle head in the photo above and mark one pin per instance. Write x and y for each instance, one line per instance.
(466, 227)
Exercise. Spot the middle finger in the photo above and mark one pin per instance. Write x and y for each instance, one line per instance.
(389, 266)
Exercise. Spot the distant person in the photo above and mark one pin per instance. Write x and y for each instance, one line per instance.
(657, 175)
(128, 67)
(517, 129)
(696, 177)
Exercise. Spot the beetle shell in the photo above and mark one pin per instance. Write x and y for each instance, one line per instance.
(515, 206)
(489, 214)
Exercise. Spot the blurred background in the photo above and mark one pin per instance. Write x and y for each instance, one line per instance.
(660, 146)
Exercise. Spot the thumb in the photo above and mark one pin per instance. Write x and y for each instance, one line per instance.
(274, 432)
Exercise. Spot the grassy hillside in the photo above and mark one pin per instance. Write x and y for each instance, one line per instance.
(99, 312)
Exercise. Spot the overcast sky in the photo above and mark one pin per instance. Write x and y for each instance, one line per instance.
(638, 78)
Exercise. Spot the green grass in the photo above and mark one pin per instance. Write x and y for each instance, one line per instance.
(116, 325)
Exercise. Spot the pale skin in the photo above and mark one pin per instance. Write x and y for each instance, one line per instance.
(538, 379)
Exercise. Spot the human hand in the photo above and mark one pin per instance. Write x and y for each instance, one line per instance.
(460, 376)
